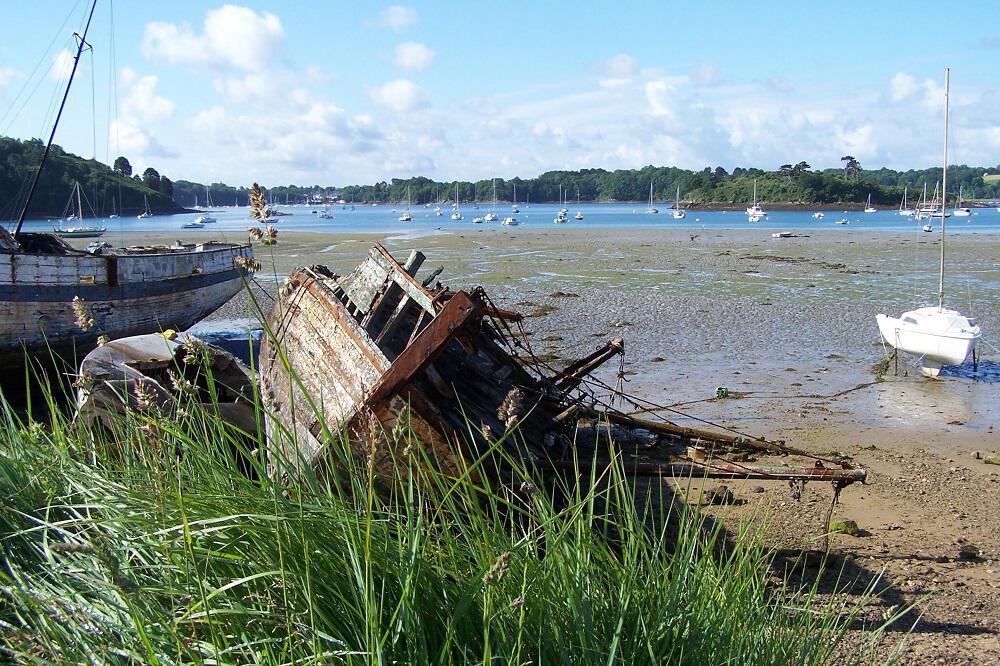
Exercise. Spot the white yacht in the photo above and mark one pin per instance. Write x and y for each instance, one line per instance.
(651, 210)
(492, 215)
(755, 212)
(905, 210)
(960, 210)
(678, 211)
(869, 208)
(936, 335)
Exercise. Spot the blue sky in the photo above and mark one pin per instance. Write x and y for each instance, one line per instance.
(337, 92)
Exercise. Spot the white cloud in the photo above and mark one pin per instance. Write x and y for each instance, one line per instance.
(128, 137)
(661, 97)
(902, 86)
(303, 136)
(617, 71)
(140, 100)
(621, 66)
(232, 37)
(413, 56)
(397, 18)
(62, 65)
(399, 96)
(704, 74)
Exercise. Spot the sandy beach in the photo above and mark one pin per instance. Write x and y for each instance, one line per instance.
(788, 327)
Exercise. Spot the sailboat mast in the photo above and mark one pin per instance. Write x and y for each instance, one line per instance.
(944, 189)
(79, 206)
(52, 136)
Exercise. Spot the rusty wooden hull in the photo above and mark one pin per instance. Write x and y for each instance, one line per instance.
(376, 354)
(128, 293)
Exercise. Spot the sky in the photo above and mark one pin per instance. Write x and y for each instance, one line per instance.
(335, 93)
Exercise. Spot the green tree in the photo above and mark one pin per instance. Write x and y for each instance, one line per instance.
(166, 187)
(851, 166)
(122, 166)
(151, 179)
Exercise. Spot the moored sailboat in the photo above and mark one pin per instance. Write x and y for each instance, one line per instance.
(904, 209)
(678, 212)
(936, 335)
(755, 212)
(78, 230)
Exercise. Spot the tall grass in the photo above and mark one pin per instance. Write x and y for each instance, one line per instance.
(159, 548)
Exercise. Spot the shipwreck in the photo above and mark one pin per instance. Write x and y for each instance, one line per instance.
(361, 355)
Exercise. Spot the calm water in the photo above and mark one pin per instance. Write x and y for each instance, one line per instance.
(382, 219)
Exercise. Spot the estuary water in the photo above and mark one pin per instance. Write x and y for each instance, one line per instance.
(384, 219)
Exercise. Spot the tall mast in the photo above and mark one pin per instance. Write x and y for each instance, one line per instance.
(79, 206)
(52, 136)
(944, 189)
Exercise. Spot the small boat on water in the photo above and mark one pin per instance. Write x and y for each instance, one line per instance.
(960, 210)
(193, 225)
(678, 212)
(509, 221)
(928, 228)
(818, 215)
(513, 205)
(492, 215)
(456, 215)
(904, 209)
(147, 212)
(651, 210)
(78, 230)
(869, 208)
(755, 212)
(406, 216)
(937, 336)
(205, 219)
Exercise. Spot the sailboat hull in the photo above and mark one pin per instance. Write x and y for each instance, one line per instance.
(947, 345)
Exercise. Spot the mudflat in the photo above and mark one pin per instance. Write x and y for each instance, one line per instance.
(787, 326)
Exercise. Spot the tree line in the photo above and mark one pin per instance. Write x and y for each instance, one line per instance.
(118, 189)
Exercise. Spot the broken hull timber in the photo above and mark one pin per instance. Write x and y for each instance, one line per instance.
(127, 293)
(361, 356)
(376, 352)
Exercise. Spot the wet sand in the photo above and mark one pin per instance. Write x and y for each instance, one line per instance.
(787, 325)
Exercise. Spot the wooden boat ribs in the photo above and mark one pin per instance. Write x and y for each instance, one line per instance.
(373, 354)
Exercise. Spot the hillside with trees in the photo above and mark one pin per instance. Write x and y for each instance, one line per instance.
(791, 184)
(104, 188)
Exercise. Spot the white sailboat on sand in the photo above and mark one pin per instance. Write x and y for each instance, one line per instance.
(936, 335)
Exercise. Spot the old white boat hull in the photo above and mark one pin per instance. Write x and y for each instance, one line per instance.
(126, 294)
